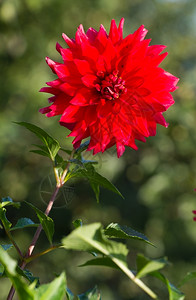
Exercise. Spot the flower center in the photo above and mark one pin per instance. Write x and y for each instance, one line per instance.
(111, 86)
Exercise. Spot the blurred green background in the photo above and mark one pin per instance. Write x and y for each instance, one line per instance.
(157, 181)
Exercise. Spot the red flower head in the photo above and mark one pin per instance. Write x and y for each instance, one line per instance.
(109, 88)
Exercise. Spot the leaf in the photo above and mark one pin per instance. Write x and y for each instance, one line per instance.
(23, 223)
(46, 222)
(51, 144)
(83, 147)
(52, 291)
(114, 230)
(6, 247)
(1, 270)
(70, 295)
(100, 261)
(40, 152)
(21, 287)
(77, 223)
(90, 238)
(7, 201)
(6, 223)
(28, 275)
(189, 276)
(95, 179)
(92, 294)
(174, 293)
(146, 265)
(96, 189)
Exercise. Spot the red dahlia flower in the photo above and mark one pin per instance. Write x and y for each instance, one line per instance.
(110, 88)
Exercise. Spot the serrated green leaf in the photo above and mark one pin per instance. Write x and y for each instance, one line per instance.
(46, 222)
(52, 291)
(21, 287)
(174, 293)
(51, 144)
(146, 265)
(114, 230)
(189, 276)
(6, 247)
(100, 261)
(23, 223)
(6, 223)
(91, 238)
(77, 223)
(92, 294)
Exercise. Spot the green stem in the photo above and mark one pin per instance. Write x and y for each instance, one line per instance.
(32, 257)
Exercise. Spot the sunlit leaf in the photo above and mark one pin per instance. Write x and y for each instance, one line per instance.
(10, 265)
(146, 265)
(91, 238)
(114, 230)
(52, 291)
